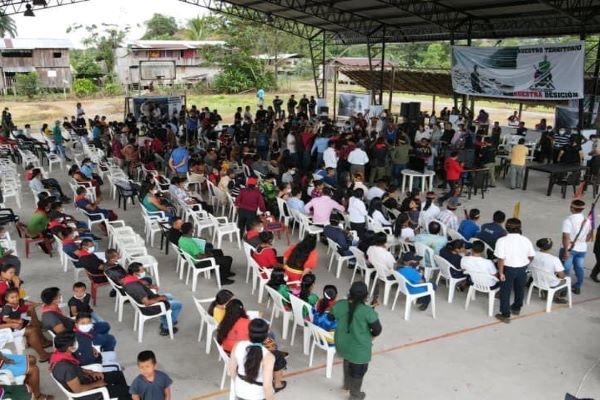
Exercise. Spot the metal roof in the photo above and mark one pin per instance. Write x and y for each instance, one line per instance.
(174, 44)
(35, 43)
(362, 21)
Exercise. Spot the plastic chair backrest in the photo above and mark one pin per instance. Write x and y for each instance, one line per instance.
(443, 226)
(455, 235)
(481, 282)
(278, 300)
(222, 354)
(444, 266)
(321, 336)
(333, 246)
(403, 283)
(361, 261)
(282, 207)
(542, 279)
(427, 253)
(298, 307)
(248, 249)
(204, 315)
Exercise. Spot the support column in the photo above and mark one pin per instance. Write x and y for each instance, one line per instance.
(580, 124)
(317, 46)
(382, 70)
(392, 85)
(590, 120)
(335, 80)
(520, 110)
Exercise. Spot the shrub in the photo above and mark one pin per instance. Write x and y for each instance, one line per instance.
(232, 81)
(28, 84)
(84, 87)
(112, 89)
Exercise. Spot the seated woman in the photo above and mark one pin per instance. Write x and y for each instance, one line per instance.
(322, 316)
(54, 320)
(79, 177)
(178, 190)
(216, 309)
(153, 203)
(20, 365)
(66, 369)
(300, 259)
(235, 328)
(402, 229)
(17, 315)
(306, 289)
(81, 201)
(376, 212)
(265, 254)
(277, 281)
(453, 253)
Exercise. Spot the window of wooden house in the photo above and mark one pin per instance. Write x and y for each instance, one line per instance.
(17, 54)
(57, 54)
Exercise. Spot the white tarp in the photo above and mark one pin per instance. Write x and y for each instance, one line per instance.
(542, 72)
(350, 104)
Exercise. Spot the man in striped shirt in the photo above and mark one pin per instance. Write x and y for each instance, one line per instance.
(561, 139)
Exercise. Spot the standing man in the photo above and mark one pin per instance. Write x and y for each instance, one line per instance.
(59, 141)
(291, 106)
(358, 159)
(453, 168)
(576, 232)
(330, 156)
(277, 102)
(312, 107)
(518, 156)
(514, 253)
(178, 162)
(260, 95)
(249, 201)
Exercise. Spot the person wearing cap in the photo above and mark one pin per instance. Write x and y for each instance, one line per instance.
(477, 263)
(429, 210)
(433, 238)
(447, 216)
(410, 263)
(576, 232)
(66, 369)
(545, 261)
(322, 207)
(357, 325)
(514, 253)
(249, 202)
(469, 228)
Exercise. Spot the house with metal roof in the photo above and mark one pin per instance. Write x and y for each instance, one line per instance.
(48, 57)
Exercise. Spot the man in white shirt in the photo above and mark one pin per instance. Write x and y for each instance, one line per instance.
(476, 263)
(514, 253)
(428, 209)
(378, 190)
(381, 259)
(330, 157)
(358, 159)
(576, 232)
(545, 261)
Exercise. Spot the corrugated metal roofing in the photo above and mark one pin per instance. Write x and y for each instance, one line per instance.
(174, 44)
(35, 43)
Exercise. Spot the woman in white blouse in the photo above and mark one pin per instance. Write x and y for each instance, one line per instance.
(376, 212)
(357, 212)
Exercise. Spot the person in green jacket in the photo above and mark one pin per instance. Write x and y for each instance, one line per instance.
(399, 157)
(59, 141)
(38, 223)
(357, 325)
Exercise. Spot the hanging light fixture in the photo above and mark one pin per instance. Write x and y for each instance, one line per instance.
(29, 10)
(42, 3)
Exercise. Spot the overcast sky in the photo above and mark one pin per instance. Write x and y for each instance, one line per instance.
(53, 22)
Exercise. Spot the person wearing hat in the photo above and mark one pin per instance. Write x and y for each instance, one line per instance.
(249, 202)
(469, 228)
(357, 325)
(410, 263)
(66, 369)
(447, 216)
(545, 261)
(514, 253)
(429, 210)
(576, 232)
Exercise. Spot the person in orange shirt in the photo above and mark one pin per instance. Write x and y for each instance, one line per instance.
(518, 156)
(300, 259)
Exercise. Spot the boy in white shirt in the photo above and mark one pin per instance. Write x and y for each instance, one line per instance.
(476, 263)
(545, 261)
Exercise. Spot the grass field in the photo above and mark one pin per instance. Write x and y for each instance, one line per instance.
(39, 111)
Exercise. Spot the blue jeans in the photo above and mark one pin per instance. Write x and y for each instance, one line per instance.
(60, 149)
(576, 259)
(397, 172)
(96, 318)
(102, 338)
(175, 311)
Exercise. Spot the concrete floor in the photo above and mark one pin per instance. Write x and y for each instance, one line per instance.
(459, 355)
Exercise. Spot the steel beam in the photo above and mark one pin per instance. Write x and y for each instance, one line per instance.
(590, 120)
(318, 47)
(12, 7)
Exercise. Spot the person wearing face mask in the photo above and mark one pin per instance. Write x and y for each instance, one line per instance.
(152, 203)
(67, 370)
(81, 201)
(86, 353)
(561, 139)
(137, 289)
(88, 260)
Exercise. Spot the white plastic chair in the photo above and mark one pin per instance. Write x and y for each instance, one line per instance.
(191, 262)
(428, 259)
(202, 221)
(205, 320)
(140, 319)
(120, 299)
(298, 308)
(335, 255)
(248, 249)
(72, 396)
(306, 226)
(54, 159)
(443, 227)
(100, 219)
(279, 307)
(321, 339)
(455, 235)
(445, 272)
(260, 275)
(361, 265)
(481, 283)
(223, 227)
(283, 215)
(542, 280)
(382, 275)
(404, 286)
(225, 358)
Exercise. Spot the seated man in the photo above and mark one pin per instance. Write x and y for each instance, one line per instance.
(477, 263)
(57, 212)
(434, 239)
(67, 371)
(410, 263)
(114, 270)
(175, 231)
(69, 243)
(142, 294)
(447, 216)
(38, 223)
(255, 227)
(341, 236)
(90, 207)
(197, 249)
(54, 320)
(381, 258)
(38, 184)
(88, 260)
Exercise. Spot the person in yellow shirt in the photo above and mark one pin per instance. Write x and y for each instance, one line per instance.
(518, 156)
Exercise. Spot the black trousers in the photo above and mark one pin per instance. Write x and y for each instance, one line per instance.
(245, 216)
(516, 279)
(596, 269)
(223, 261)
(117, 385)
(356, 371)
(359, 228)
(453, 185)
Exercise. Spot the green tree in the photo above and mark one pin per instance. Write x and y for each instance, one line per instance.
(84, 63)
(84, 87)
(28, 84)
(160, 27)
(201, 28)
(7, 26)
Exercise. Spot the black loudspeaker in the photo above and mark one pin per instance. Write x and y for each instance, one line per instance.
(414, 109)
(323, 111)
(404, 109)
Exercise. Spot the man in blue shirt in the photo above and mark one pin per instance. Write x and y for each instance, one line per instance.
(338, 235)
(493, 231)
(410, 262)
(295, 201)
(468, 228)
(320, 145)
(178, 162)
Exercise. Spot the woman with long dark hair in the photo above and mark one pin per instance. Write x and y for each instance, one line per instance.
(358, 324)
(301, 258)
(217, 308)
(277, 282)
(376, 212)
(322, 316)
(234, 326)
(306, 289)
(251, 365)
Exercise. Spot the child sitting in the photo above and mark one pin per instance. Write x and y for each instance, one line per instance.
(277, 282)
(321, 311)
(151, 384)
(551, 264)
(217, 307)
(306, 288)
(265, 254)
(80, 302)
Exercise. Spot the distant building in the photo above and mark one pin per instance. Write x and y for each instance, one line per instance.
(48, 57)
(341, 63)
(286, 62)
(165, 62)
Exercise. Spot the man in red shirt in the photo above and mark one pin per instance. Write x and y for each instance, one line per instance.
(453, 169)
(248, 202)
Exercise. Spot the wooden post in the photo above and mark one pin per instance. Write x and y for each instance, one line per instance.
(391, 91)
(335, 79)
(433, 104)
(520, 110)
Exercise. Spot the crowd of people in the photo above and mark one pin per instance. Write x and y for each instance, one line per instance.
(274, 165)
